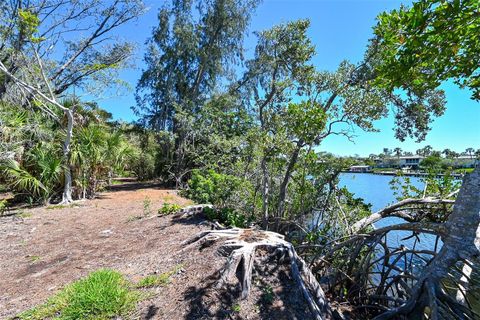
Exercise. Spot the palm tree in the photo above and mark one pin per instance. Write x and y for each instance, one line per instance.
(46, 165)
(87, 157)
(470, 152)
(21, 180)
(447, 153)
(398, 153)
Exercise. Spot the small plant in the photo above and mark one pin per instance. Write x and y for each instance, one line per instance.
(268, 295)
(212, 187)
(158, 280)
(169, 208)
(236, 308)
(3, 206)
(34, 258)
(104, 294)
(147, 206)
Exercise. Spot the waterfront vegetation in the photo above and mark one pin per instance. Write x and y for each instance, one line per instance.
(243, 134)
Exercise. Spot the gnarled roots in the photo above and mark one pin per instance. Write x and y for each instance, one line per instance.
(241, 245)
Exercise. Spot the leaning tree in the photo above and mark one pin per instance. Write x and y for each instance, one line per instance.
(37, 76)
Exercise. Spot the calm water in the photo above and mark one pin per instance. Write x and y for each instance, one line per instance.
(375, 189)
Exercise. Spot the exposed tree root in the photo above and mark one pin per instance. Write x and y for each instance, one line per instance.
(189, 211)
(240, 246)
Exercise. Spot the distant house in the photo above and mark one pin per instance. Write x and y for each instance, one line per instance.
(360, 169)
(411, 162)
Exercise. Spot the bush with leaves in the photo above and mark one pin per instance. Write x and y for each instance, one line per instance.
(169, 208)
(212, 187)
(229, 217)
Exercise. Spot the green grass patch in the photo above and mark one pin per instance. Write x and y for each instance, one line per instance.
(158, 280)
(104, 294)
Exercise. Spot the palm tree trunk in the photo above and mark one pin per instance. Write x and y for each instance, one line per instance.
(67, 188)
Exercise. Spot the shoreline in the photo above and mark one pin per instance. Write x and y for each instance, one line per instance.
(410, 174)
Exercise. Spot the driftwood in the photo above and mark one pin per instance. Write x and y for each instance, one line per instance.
(240, 246)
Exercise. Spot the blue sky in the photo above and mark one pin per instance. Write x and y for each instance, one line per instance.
(340, 30)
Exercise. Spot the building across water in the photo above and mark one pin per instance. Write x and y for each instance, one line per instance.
(360, 169)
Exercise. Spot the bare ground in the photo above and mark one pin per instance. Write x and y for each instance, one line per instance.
(43, 249)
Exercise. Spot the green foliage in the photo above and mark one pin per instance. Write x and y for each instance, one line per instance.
(228, 216)
(29, 23)
(431, 163)
(306, 120)
(193, 47)
(212, 187)
(3, 206)
(430, 42)
(169, 208)
(32, 163)
(104, 294)
(21, 180)
(236, 308)
(267, 294)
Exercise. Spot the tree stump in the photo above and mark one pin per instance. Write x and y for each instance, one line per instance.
(240, 246)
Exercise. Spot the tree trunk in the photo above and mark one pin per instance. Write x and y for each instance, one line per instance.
(265, 193)
(286, 179)
(67, 188)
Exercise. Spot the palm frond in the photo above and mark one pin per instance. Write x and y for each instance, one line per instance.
(20, 179)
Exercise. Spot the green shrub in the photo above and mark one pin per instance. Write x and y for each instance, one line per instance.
(210, 213)
(169, 208)
(228, 216)
(212, 187)
(104, 294)
(143, 166)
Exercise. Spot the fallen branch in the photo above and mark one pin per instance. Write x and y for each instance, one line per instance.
(393, 210)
